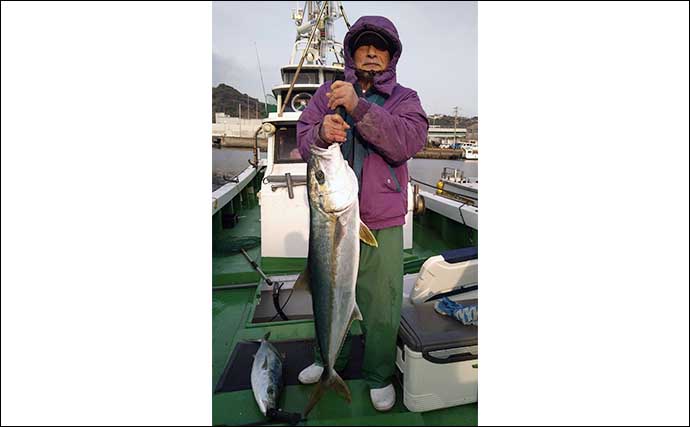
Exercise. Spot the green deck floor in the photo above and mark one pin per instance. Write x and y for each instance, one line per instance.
(233, 269)
(232, 311)
(239, 408)
(432, 234)
(230, 316)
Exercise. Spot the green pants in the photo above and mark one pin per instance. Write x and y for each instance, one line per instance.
(379, 297)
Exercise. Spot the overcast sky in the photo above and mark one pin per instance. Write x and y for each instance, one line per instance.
(439, 58)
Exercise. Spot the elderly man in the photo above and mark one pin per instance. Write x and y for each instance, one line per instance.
(384, 126)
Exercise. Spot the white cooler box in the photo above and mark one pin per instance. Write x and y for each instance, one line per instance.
(437, 358)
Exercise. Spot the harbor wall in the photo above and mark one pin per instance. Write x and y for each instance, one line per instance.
(240, 142)
(234, 126)
(439, 153)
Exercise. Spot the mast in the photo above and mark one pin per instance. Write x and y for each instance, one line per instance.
(263, 88)
(314, 40)
(324, 38)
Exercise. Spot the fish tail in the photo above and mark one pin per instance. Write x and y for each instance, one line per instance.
(340, 387)
(332, 381)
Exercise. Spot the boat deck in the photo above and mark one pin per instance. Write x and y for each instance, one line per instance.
(232, 316)
(432, 234)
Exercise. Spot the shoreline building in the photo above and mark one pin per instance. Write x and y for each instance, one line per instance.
(445, 136)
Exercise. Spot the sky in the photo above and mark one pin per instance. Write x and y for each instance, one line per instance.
(439, 58)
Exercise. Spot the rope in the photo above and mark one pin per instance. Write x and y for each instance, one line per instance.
(234, 245)
(423, 183)
(461, 216)
(292, 291)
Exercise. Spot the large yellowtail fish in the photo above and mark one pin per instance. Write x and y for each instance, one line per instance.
(331, 274)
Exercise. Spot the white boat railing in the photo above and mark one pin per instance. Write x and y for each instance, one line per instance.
(224, 194)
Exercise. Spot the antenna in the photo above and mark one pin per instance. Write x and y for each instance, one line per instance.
(455, 126)
(342, 13)
(263, 88)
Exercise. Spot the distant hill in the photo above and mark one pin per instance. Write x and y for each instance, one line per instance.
(227, 99)
(443, 120)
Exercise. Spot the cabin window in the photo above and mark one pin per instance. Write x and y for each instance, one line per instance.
(330, 75)
(305, 77)
(286, 145)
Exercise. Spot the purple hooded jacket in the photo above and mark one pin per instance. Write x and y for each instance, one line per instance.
(396, 131)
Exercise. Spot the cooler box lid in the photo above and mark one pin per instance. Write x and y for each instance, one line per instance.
(423, 330)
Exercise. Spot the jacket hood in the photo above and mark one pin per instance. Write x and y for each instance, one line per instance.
(386, 80)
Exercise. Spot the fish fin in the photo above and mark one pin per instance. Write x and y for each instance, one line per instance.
(340, 387)
(315, 397)
(356, 314)
(367, 236)
(302, 281)
(268, 334)
(265, 364)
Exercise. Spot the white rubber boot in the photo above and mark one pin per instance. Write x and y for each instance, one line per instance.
(311, 374)
(383, 398)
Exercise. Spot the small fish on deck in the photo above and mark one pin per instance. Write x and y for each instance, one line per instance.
(267, 376)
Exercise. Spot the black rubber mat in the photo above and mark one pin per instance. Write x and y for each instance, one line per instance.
(298, 355)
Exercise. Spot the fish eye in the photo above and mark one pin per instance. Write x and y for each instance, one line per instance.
(320, 176)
